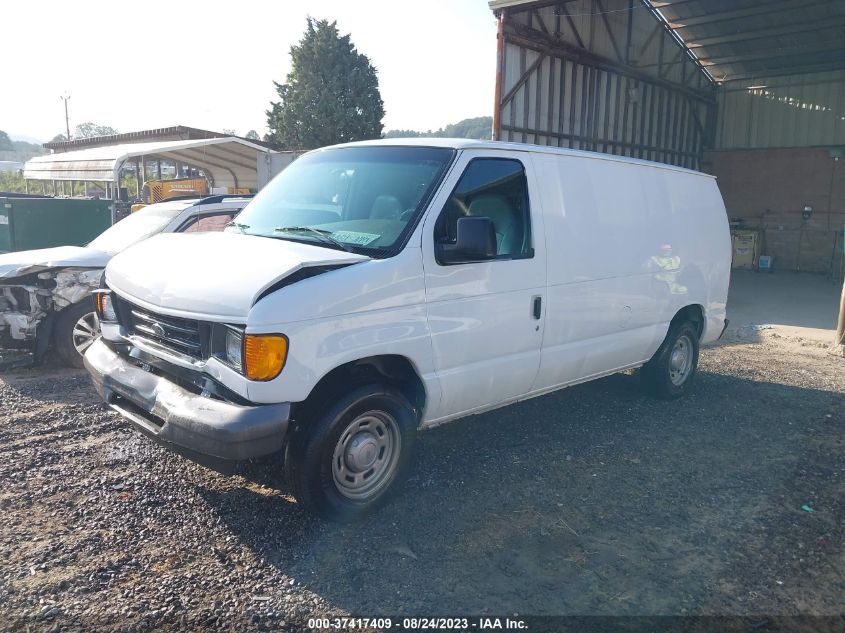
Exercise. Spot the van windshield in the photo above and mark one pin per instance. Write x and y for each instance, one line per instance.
(361, 199)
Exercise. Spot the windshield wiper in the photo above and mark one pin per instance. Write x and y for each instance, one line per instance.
(239, 225)
(324, 235)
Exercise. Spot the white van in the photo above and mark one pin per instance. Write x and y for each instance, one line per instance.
(376, 288)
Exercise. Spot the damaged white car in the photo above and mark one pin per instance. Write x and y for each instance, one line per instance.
(45, 294)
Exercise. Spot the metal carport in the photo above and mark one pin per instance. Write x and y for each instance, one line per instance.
(227, 162)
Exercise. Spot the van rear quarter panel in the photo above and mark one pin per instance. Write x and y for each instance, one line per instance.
(628, 246)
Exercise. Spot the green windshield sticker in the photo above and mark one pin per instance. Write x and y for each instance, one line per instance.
(353, 237)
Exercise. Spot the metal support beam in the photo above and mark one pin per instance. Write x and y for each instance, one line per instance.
(500, 71)
(572, 26)
(534, 40)
(609, 30)
(684, 46)
(523, 78)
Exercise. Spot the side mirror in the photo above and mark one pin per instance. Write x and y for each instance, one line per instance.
(476, 241)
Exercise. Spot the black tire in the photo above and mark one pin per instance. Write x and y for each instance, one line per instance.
(311, 458)
(63, 333)
(660, 376)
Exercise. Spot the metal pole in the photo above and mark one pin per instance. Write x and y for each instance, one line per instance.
(500, 63)
(840, 325)
(138, 184)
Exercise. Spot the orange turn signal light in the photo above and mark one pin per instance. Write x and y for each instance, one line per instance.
(264, 355)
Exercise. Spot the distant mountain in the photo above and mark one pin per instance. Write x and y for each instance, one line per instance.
(13, 149)
(24, 138)
(477, 128)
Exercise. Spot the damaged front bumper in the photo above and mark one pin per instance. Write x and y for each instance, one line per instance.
(214, 433)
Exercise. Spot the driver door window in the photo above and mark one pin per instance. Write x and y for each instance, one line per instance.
(495, 188)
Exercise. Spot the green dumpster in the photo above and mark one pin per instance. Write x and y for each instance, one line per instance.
(27, 223)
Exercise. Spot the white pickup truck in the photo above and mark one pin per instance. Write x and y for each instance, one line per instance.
(376, 288)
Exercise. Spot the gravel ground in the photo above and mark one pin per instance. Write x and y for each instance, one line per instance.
(593, 500)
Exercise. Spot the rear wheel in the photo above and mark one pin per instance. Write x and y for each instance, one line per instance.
(76, 329)
(670, 372)
(344, 461)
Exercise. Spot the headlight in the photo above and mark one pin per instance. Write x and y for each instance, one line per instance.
(105, 306)
(264, 355)
(234, 348)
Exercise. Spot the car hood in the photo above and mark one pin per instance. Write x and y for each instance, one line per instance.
(211, 276)
(27, 262)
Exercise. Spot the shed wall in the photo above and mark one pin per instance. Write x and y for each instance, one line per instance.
(791, 111)
(768, 189)
(603, 76)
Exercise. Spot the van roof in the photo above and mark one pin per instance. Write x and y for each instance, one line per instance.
(464, 143)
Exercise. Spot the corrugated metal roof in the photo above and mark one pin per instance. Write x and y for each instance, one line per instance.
(497, 5)
(739, 40)
(231, 162)
(172, 133)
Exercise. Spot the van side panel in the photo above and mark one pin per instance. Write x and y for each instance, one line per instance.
(703, 234)
(628, 246)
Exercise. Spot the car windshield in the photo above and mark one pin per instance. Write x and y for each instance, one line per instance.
(136, 227)
(361, 199)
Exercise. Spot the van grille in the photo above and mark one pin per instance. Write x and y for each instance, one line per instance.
(180, 335)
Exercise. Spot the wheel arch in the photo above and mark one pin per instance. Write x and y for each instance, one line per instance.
(693, 312)
(392, 369)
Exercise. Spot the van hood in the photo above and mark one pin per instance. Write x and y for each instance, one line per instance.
(211, 276)
(26, 262)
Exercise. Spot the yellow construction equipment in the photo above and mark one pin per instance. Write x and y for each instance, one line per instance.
(160, 190)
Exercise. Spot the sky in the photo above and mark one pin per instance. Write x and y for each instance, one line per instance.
(212, 64)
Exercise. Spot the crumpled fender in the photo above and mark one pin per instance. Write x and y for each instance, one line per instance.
(72, 286)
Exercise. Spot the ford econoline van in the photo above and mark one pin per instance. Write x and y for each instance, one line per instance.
(373, 289)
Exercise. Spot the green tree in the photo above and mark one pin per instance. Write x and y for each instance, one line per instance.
(252, 135)
(402, 134)
(476, 128)
(331, 94)
(5, 142)
(480, 128)
(89, 130)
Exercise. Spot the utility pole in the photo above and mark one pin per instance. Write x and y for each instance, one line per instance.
(66, 98)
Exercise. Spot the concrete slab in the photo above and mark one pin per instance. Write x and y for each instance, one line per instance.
(803, 305)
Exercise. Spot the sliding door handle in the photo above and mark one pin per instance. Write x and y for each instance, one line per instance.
(537, 306)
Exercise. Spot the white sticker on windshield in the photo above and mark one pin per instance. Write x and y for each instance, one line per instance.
(353, 237)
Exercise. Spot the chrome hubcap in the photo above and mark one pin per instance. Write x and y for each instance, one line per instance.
(680, 360)
(85, 332)
(366, 455)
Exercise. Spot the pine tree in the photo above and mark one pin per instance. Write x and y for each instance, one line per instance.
(330, 96)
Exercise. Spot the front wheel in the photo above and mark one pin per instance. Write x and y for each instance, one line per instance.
(670, 372)
(344, 461)
(76, 329)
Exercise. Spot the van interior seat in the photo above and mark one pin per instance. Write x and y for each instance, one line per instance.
(386, 208)
(507, 226)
